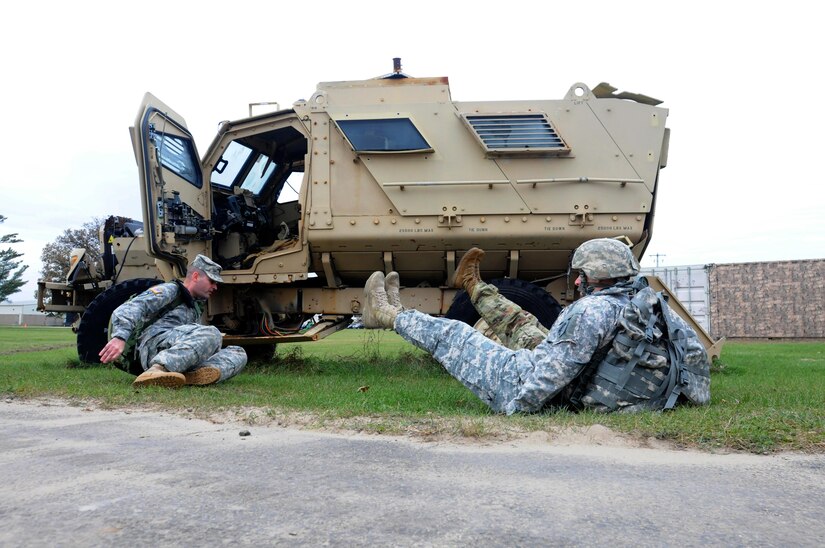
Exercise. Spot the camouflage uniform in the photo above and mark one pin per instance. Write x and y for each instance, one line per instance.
(590, 357)
(176, 340)
(524, 379)
(610, 386)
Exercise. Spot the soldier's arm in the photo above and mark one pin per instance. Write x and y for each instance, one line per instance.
(560, 358)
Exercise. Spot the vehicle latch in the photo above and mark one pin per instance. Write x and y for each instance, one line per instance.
(449, 217)
(580, 219)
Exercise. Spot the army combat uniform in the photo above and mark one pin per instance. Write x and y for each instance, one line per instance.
(618, 348)
(504, 321)
(522, 379)
(535, 367)
(176, 340)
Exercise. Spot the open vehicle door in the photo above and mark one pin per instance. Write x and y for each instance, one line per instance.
(175, 194)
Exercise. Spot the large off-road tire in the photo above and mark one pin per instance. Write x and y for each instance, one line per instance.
(93, 331)
(530, 297)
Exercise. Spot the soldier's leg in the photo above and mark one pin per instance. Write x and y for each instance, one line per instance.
(229, 361)
(515, 327)
(186, 347)
(491, 371)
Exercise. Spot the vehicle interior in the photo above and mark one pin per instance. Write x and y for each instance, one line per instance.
(255, 187)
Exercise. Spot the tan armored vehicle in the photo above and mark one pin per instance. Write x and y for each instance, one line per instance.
(390, 174)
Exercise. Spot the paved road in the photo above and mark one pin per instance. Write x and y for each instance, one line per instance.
(72, 477)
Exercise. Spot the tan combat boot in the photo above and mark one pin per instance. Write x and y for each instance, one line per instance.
(468, 274)
(392, 285)
(377, 313)
(203, 376)
(157, 375)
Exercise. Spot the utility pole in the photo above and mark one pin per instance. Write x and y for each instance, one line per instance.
(657, 256)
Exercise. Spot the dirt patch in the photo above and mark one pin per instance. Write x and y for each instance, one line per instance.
(470, 433)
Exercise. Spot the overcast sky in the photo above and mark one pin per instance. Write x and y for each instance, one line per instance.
(743, 182)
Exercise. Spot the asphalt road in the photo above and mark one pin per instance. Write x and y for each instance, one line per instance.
(75, 477)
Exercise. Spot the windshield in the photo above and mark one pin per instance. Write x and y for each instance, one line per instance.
(260, 164)
(230, 164)
(238, 160)
(257, 177)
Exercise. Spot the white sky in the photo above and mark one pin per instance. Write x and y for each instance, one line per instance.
(743, 181)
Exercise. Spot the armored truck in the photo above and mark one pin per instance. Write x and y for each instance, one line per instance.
(301, 205)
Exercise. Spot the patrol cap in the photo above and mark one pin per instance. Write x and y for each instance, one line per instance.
(209, 267)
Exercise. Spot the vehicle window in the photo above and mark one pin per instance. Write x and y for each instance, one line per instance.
(230, 164)
(383, 135)
(259, 174)
(178, 155)
(289, 192)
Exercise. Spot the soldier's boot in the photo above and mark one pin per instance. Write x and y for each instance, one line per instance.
(468, 273)
(377, 313)
(202, 376)
(157, 375)
(392, 285)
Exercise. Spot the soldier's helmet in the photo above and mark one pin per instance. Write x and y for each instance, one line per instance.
(605, 258)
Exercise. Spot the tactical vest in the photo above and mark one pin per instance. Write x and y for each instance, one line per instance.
(654, 359)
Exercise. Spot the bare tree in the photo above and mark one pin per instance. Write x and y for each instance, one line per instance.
(56, 255)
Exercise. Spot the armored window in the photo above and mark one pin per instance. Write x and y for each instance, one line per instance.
(505, 134)
(384, 135)
(232, 161)
(259, 174)
(177, 155)
(243, 166)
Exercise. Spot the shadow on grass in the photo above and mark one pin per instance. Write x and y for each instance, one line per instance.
(294, 360)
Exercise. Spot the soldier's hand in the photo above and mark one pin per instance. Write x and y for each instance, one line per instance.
(112, 351)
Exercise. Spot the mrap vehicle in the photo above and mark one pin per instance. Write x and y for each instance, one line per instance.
(301, 205)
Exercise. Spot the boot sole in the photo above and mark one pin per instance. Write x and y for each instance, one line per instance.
(374, 283)
(168, 380)
(202, 376)
(468, 267)
(392, 286)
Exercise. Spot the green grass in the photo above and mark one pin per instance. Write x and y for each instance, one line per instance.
(766, 397)
(27, 339)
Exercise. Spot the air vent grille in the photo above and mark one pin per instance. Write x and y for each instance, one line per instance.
(517, 133)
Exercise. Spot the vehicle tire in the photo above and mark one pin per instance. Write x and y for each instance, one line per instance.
(260, 352)
(93, 331)
(530, 297)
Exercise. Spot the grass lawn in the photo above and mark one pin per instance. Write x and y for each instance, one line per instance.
(766, 397)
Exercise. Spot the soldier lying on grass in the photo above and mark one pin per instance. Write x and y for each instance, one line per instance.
(606, 351)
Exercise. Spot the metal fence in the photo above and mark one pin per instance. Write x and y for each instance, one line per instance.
(26, 314)
(690, 285)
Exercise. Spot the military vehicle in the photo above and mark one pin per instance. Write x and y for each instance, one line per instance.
(390, 174)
